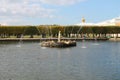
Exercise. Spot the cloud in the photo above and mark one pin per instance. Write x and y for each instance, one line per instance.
(4, 20)
(20, 9)
(61, 2)
(23, 8)
(31, 8)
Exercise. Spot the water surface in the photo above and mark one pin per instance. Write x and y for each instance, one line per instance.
(86, 61)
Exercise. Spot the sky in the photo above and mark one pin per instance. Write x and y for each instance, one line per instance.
(61, 12)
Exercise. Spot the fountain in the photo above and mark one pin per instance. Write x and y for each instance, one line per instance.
(83, 44)
(96, 43)
(29, 31)
(20, 42)
(60, 43)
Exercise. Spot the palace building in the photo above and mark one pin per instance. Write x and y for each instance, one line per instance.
(112, 22)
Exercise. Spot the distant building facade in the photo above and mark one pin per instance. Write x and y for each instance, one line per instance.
(112, 22)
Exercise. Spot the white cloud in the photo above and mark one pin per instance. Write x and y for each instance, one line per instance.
(10, 21)
(23, 8)
(4, 20)
(61, 2)
(20, 9)
(30, 8)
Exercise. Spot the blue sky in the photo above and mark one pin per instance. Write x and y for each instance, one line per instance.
(37, 12)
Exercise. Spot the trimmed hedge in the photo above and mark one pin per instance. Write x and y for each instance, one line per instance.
(53, 30)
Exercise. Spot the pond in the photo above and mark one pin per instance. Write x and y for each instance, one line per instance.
(89, 60)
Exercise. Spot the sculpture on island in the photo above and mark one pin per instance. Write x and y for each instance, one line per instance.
(60, 43)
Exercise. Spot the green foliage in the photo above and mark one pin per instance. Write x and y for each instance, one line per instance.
(54, 29)
(31, 30)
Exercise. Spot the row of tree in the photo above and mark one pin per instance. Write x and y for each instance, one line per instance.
(52, 30)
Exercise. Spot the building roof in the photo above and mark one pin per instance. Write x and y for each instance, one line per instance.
(112, 22)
